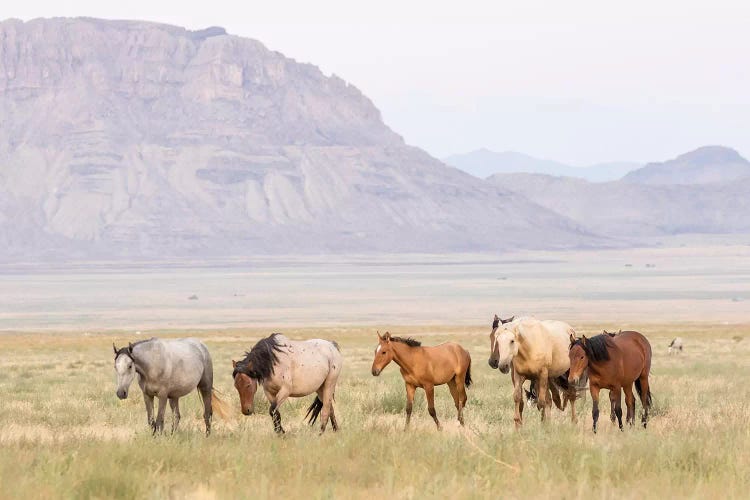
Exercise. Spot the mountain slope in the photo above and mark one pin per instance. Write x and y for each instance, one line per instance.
(706, 165)
(484, 163)
(122, 138)
(629, 211)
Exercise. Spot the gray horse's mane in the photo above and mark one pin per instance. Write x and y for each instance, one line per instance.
(260, 360)
(129, 348)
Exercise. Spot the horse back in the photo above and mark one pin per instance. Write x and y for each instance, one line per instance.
(544, 344)
(634, 345)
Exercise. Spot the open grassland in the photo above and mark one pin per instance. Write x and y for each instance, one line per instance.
(63, 432)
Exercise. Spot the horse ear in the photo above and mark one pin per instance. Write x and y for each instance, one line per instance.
(387, 336)
(510, 319)
(379, 336)
(114, 348)
(130, 348)
(234, 364)
(583, 339)
(572, 339)
(619, 332)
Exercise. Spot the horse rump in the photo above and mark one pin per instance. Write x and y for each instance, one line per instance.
(314, 410)
(639, 390)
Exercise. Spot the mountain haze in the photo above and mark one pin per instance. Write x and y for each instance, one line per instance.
(125, 138)
(706, 165)
(483, 163)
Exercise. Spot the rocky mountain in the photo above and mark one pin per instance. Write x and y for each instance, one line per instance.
(135, 139)
(483, 163)
(629, 211)
(706, 165)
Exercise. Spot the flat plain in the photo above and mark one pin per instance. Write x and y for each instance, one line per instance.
(64, 433)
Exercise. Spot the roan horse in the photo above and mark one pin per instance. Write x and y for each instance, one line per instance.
(614, 363)
(168, 370)
(536, 350)
(426, 367)
(290, 368)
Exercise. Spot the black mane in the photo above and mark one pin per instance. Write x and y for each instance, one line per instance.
(259, 361)
(596, 347)
(407, 340)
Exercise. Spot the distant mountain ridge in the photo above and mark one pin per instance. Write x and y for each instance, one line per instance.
(705, 165)
(703, 191)
(134, 139)
(483, 163)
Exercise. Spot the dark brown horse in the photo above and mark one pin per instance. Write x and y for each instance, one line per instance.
(426, 367)
(614, 363)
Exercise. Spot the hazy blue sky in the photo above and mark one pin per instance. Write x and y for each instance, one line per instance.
(579, 82)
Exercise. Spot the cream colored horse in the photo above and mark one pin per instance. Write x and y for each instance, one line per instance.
(537, 350)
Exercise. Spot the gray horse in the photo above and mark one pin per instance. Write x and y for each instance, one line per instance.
(167, 369)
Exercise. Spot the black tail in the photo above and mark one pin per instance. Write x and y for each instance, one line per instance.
(639, 390)
(467, 378)
(562, 382)
(314, 410)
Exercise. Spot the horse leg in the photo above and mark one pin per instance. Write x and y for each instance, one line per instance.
(617, 403)
(276, 401)
(612, 405)
(630, 404)
(174, 403)
(570, 395)
(159, 422)
(461, 391)
(518, 399)
(208, 411)
(149, 400)
(555, 395)
(645, 397)
(594, 390)
(543, 399)
(334, 424)
(456, 399)
(410, 390)
(327, 399)
(429, 391)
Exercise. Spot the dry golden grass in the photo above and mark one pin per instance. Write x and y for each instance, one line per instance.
(64, 433)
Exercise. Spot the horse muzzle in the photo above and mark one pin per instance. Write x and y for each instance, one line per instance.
(122, 394)
(504, 368)
(493, 363)
(247, 411)
(375, 372)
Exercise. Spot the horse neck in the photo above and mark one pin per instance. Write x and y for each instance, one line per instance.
(144, 357)
(403, 355)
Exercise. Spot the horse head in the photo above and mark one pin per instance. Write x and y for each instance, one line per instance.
(578, 358)
(246, 388)
(503, 346)
(125, 369)
(383, 353)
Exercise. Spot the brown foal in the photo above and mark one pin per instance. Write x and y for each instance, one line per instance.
(426, 367)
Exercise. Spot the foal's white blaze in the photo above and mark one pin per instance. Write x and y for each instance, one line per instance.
(378, 349)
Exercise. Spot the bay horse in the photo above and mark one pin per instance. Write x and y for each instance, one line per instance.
(536, 350)
(426, 367)
(290, 368)
(615, 363)
(168, 370)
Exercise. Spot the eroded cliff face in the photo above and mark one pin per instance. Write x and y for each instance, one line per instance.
(123, 138)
